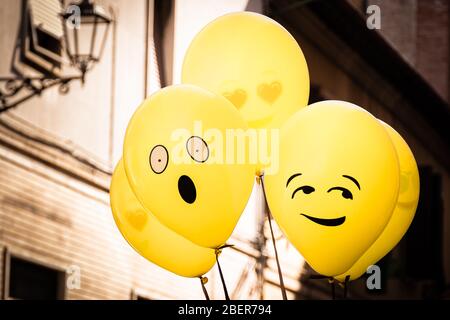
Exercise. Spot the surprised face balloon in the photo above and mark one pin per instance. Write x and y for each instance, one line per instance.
(337, 184)
(182, 167)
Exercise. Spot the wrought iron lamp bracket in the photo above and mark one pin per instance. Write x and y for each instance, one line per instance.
(28, 87)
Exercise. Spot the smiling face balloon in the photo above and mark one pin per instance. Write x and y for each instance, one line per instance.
(252, 61)
(150, 238)
(403, 214)
(182, 165)
(337, 184)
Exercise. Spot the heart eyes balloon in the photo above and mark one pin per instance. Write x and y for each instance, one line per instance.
(252, 61)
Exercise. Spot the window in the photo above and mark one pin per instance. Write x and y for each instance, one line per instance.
(42, 33)
(27, 280)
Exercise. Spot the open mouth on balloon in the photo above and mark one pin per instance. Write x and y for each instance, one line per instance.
(326, 222)
(186, 189)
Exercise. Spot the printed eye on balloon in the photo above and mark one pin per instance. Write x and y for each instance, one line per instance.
(270, 92)
(237, 97)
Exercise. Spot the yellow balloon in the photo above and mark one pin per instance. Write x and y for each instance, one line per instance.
(403, 214)
(254, 62)
(150, 238)
(337, 184)
(183, 167)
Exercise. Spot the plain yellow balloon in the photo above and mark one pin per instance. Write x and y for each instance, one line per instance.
(403, 214)
(150, 238)
(254, 62)
(183, 166)
(337, 184)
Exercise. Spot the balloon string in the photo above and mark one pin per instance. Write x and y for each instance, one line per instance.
(204, 280)
(280, 274)
(333, 291)
(347, 278)
(225, 291)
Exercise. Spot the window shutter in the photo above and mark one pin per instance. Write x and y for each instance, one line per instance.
(45, 15)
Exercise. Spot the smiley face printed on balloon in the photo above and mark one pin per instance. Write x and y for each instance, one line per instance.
(252, 61)
(150, 238)
(177, 160)
(337, 184)
(345, 193)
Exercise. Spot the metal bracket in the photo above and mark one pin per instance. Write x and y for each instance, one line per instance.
(30, 86)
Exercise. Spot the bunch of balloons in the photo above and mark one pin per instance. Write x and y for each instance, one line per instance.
(347, 185)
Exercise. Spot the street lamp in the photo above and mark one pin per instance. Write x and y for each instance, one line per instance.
(85, 25)
(85, 31)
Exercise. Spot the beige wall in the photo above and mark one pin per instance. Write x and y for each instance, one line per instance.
(88, 107)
